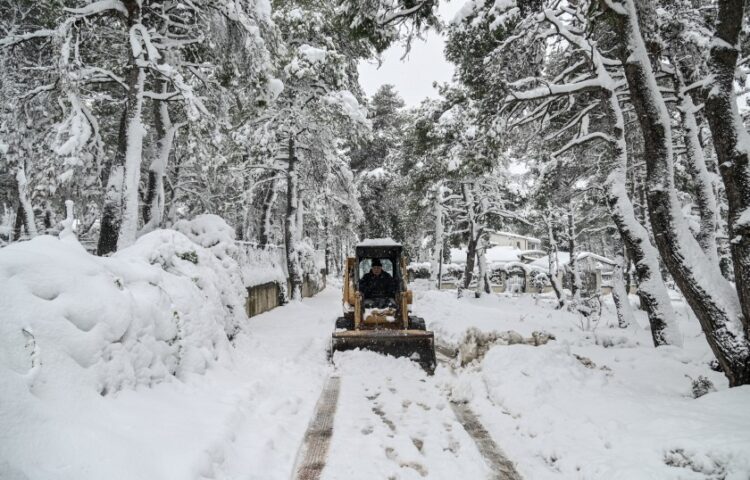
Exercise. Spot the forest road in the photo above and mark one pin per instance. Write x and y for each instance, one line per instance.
(394, 425)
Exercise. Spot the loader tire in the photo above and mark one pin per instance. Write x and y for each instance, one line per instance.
(417, 323)
(343, 323)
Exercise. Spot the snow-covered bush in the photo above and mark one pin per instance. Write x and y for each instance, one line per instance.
(310, 261)
(702, 386)
(163, 307)
(213, 233)
(453, 272)
(419, 270)
(539, 280)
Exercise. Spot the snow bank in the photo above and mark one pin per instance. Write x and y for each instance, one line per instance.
(593, 404)
(163, 307)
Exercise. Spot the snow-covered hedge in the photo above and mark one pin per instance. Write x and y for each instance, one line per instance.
(164, 307)
(419, 270)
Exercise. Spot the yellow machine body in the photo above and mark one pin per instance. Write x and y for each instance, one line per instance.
(390, 330)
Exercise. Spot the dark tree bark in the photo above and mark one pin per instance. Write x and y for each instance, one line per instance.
(474, 234)
(552, 256)
(471, 253)
(712, 300)
(114, 201)
(18, 225)
(705, 198)
(731, 143)
(290, 223)
(264, 238)
(651, 289)
(161, 124)
(619, 288)
(572, 267)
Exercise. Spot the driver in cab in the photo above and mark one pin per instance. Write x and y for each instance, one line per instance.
(377, 283)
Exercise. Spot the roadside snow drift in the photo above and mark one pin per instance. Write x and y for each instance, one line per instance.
(76, 326)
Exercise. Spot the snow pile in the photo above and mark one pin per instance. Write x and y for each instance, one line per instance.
(476, 343)
(243, 418)
(73, 321)
(213, 233)
(595, 403)
(261, 265)
(215, 274)
(560, 402)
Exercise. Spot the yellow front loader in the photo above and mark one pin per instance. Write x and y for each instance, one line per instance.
(382, 324)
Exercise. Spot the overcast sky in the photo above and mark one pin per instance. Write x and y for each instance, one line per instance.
(414, 75)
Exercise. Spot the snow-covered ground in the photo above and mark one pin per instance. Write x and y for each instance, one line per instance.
(629, 415)
(242, 412)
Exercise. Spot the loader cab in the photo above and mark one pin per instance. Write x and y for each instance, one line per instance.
(384, 325)
(390, 257)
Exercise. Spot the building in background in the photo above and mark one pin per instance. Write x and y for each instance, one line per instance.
(507, 239)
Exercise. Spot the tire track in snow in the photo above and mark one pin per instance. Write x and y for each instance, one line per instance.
(311, 458)
(502, 467)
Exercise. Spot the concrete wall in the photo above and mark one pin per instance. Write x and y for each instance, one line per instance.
(262, 298)
(267, 296)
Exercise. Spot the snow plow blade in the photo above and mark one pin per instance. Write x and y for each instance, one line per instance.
(418, 345)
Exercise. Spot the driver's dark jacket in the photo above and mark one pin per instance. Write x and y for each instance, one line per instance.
(379, 286)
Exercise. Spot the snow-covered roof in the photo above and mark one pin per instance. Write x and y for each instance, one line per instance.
(515, 235)
(378, 242)
(532, 254)
(498, 254)
(563, 258)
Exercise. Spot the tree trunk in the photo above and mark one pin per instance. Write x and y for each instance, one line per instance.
(651, 289)
(267, 214)
(732, 145)
(553, 265)
(18, 223)
(474, 234)
(25, 207)
(710, 296)
(471, 252)
(153, 206)
(290, 224)
(439, 233)
(327, 239)
(575, 277)
(696, 162)
(619, 291)
(483, 283)
(120, 210)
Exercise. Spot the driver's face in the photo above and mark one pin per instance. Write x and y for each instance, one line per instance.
(377, 270)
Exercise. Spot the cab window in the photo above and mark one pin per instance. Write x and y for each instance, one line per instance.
(366, 263)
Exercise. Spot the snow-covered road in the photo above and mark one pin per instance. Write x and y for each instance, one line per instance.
(554, 416)
(392, 420)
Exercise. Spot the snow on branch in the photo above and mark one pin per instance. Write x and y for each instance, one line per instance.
(584, 139)
(405, 12)
(43, 88)
(555, 90)
(99, 7)
(79, 13)
(12, 40)
(575, 121)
